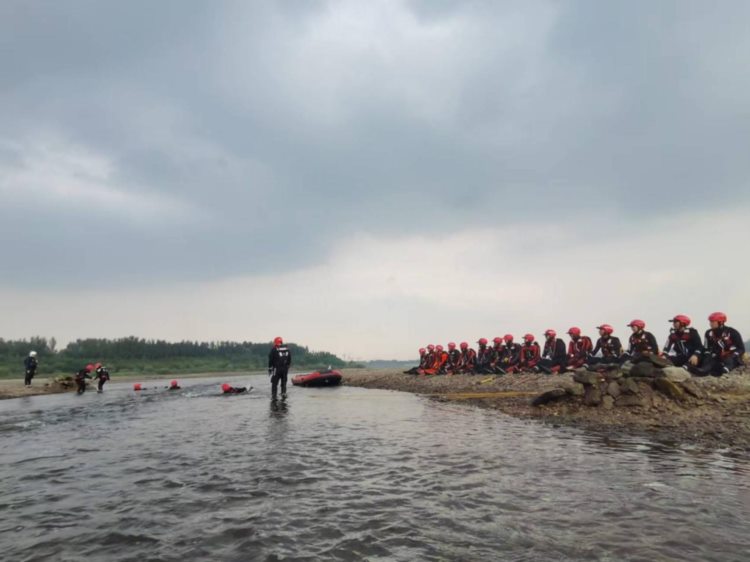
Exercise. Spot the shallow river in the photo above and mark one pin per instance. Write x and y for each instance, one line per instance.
(346, 474)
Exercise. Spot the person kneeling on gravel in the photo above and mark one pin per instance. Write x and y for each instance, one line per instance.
(610, 348)
(642, 344)
(724, 347)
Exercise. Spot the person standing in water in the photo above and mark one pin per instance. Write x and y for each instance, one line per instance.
(101, 375)
(30, 364)
(81, 377)
(279, 361)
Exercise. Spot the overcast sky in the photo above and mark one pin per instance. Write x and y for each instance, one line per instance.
(368, 177)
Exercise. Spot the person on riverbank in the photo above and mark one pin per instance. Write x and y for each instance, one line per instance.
(609, 346)
(641, 344)
(101, 376)
(468, 359)
(422, 363)
(453, 365)
(578, 348)
(554, 356)
(30, 365)
(279, 361)
(724, 347)
(510, 356)
(684, 347)
(530, 354)
(483, 365)
(81, 377)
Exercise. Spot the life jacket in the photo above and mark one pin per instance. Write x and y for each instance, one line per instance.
(724, 341)
(610, 346)
(684, 342)
(423, 364)
(580, 348)
(530, 354)
(468, 358)
(484, 356)
(642, 342)
(510, 353)
(454, 358)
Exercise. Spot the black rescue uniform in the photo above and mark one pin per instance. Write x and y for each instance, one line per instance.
(80, 379)
(30, 364)
(611, 350)
(642, 344)
(724, 350)
(101, 375)
(682, 345)
(554, 356)
(279, 361)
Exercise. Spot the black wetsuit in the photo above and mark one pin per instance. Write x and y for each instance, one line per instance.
(611, 349)
(80, 378)
(30, 364)
(484, 360)
(642, 344)
(235, 390)
(279, 361)
(554, 356)
(684, 344)
(422, 365)
(101, 375)
(724, 350)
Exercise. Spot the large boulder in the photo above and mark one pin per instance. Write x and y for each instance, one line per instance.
(675, 374)
(592, 396)
(656, 361)
(574, 388)
(608, 402)
(642, 369)
(549, 396)
(587, 377)
(613, 389)
(671, 389)
(629, 386)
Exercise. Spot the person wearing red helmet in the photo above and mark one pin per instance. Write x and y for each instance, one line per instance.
(530, 354)
(684, 347)
(578, 348)
(554, 356)
(468, 361)
(724, 347)
(453, 365)
(279, 361)
(497, 354)
(101, 375)
(510, 356)
(422, 363)
(641, 344)
(609, 346)
(436, 366)
(226, 388)
(485, 356)
(81, 377)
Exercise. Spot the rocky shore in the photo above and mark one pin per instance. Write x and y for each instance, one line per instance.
(665, 403)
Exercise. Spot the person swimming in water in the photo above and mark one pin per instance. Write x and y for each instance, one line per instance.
(229, 389)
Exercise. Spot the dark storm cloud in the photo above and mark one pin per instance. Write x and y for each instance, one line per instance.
(268, 131)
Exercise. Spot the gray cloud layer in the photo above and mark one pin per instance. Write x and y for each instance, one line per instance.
(147, 142)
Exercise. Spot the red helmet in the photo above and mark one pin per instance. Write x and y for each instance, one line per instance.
(225, 387)
(528, 338)
(550, 333)
(422, 351)
(97, 365)
(89, 367)
(682, 319)
(719, 317)
(508, 338)
(497, 340)
(451, 345)
(277, 341)
(173, 383)
(137, 386)
(430, 347)
(464, 345)
(637, 323)
(438, 348)
(606, 328)
(482, 341)
(574, 331)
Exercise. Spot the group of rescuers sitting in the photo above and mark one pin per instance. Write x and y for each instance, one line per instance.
(720, 351)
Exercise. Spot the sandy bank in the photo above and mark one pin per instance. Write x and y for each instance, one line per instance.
(719, 416)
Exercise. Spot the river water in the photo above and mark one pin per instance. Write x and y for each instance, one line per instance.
(346, 474)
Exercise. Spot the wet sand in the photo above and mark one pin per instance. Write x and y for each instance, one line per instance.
(720, 418)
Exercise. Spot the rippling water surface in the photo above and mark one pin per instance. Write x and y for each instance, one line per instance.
(346, 474)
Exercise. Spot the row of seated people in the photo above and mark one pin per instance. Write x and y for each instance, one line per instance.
(720, 352)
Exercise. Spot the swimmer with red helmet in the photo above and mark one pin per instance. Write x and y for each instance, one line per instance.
(227, 388)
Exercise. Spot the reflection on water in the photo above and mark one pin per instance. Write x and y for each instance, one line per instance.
(347, 474)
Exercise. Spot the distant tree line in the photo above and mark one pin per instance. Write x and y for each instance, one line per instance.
(132, 354)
